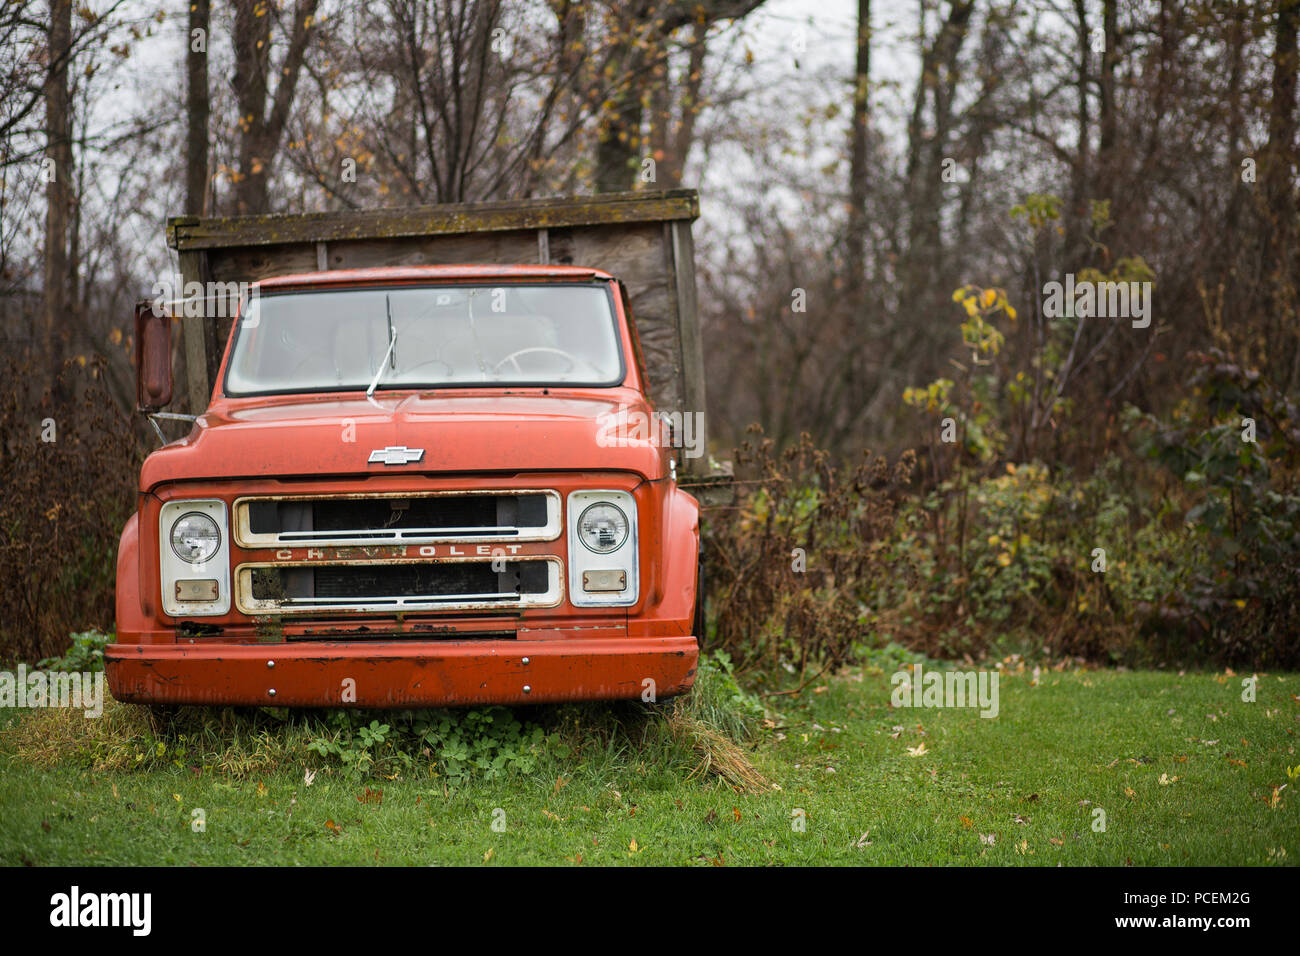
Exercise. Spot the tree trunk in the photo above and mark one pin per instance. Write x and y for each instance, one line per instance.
(856, 250)
(260, 132)
(197, 110)
(1280, 192)
(619, 141)
(1081, 172)
(642, 33)
(1107, 121)
(58, 191)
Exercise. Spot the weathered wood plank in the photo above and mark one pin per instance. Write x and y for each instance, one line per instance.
(690, 336)
(194, 338)
(635, 254)
(189, 232)
(642, 238)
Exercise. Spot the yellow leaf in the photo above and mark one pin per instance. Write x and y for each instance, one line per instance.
(989, 297)
(489, 854)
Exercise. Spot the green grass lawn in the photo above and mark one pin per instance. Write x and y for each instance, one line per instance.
(1185, 771)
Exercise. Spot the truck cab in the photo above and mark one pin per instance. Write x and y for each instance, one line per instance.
(425, 485)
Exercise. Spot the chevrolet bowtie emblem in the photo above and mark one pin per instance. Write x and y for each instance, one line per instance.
(396, 455)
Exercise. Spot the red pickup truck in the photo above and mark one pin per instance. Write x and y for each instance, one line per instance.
(413, 484)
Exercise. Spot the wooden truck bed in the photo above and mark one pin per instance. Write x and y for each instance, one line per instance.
(642, 238)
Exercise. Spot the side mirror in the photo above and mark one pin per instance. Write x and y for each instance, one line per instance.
(153, 358)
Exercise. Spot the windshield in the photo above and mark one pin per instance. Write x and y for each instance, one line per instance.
(426, 336)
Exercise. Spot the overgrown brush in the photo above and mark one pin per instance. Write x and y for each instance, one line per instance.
(69, 461)
(789, 562)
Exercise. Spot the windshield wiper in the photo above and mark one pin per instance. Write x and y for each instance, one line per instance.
(390, 356)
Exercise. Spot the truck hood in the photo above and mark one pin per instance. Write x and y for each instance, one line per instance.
(333, 435)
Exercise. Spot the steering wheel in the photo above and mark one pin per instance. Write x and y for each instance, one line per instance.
(513, 358)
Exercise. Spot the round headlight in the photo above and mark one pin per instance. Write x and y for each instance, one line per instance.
(603, 527)
(195, 537)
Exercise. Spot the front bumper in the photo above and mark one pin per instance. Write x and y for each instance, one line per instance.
(406, 674)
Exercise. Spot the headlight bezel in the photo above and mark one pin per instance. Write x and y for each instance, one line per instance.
(175, 570)
(583, 558)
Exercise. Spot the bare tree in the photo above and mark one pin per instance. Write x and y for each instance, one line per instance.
(263, 113)
(640, 36)
(59, 172)
(197, 108)
(856, 247)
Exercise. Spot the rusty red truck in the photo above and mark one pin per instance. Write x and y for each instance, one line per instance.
(419, 471)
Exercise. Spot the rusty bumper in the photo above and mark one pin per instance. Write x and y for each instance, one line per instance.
(445, 674)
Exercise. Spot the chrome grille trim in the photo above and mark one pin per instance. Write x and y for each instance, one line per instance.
(246, 538)
(380, 603)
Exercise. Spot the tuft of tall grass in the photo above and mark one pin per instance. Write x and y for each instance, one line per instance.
(702, 735)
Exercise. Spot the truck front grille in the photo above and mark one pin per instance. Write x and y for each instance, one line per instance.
(397, 586)
(396, 518)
